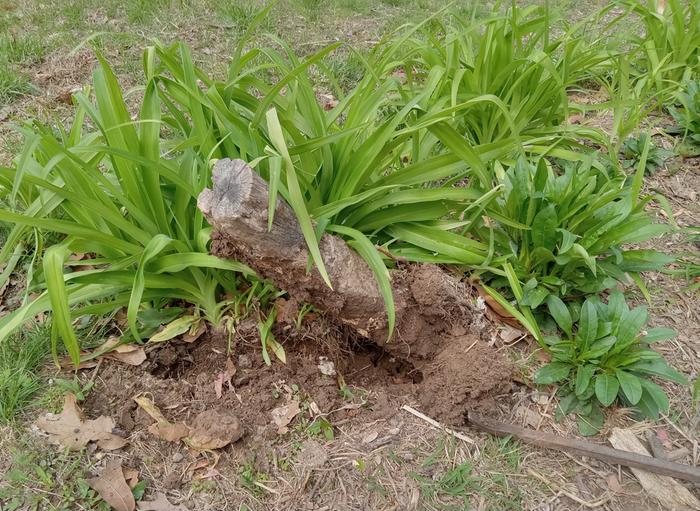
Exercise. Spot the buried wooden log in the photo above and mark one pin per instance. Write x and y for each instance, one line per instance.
(435, 330)
(584, 448)
(428, 300)
(237, 207)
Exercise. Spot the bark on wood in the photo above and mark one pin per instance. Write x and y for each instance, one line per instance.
(434, 330)
(428, 300)
(628, 452)
(237, 207)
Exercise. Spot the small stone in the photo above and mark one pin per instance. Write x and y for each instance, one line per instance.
(326, 366)
(178, 457)
(244, 362)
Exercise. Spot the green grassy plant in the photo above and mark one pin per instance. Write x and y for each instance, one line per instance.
(21, 357)
(44, 478)
(604, 356)
(21, 50)
(513, 69)
(13, 83)
(577, 219)
(633, 149)
(411, 158)
(111, 192)
(688, 116)
(668, 48)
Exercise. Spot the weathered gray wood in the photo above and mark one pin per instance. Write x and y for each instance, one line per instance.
(237, 207)
(670, 493)
(584, 448)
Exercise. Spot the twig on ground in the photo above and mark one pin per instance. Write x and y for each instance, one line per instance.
(94, 373)
(572, 496)
(436, 424)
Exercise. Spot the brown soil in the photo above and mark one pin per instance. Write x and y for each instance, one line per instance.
(180, 379)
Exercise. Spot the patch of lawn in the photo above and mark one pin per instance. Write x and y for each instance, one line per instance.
(20, 358)
(451, 486)
(47, 479)
(13, 83)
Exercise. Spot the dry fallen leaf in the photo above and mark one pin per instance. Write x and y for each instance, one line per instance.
(131, 475)
(195, 332)
(160, 503)
(112, 487)
(70, 430)
(224, 377)
(528, 417)
(212, 429)
(219, 385)
(125, 353)
(508, 334)
(613, 483)
(162, 428)
(287, 311)
(283, 415)
(499, 313)
(128, 354)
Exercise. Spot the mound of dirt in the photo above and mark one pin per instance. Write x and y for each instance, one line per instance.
(328, 373)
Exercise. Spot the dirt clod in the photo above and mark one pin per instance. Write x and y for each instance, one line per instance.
(213, 429)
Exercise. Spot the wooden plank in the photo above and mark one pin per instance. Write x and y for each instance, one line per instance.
(669, 492)
(585, 448)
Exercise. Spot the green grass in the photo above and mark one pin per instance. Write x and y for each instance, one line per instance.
(25, 50)
(14, 83)
(450, 486)
(21, 357)
(43, 478)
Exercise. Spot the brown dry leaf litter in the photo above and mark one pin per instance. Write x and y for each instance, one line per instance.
(224, 377)
(125, 353)
(68, 429)
(131, 475)
(128, 354)
(283, 415)
(112, 487)
(162, 428)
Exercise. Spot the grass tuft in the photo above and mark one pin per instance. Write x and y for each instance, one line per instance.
(21, 357)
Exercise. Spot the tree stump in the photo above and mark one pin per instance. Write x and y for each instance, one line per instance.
(434, 313)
